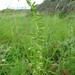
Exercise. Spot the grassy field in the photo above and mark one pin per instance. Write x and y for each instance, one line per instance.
(22, 52)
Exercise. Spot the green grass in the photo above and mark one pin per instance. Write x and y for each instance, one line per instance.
(18, 49)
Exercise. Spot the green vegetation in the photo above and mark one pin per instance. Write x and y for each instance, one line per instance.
(18, 45)
(37, 44)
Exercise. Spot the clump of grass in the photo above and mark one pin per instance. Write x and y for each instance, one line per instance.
(4, 49)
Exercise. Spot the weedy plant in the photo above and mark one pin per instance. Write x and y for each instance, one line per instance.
(37, 41)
